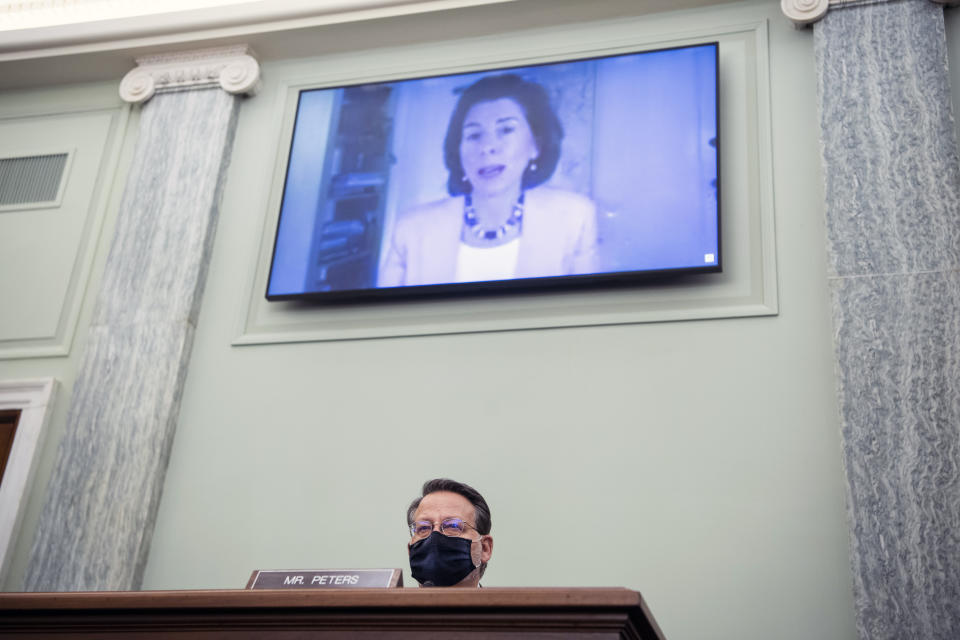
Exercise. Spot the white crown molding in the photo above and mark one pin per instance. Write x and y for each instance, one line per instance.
(804, 12)
(157, 23)
(232, 68)
(36, 14)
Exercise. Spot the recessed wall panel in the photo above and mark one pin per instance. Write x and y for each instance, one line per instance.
(747, 286)
(46, 241)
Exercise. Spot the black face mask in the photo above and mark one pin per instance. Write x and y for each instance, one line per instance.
(440, 560)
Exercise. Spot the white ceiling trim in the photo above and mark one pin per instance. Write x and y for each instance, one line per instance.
(68, 27)
(36, 14)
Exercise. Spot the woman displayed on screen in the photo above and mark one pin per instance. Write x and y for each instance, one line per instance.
(501, 221)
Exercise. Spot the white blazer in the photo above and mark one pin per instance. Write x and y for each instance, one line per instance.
(559, 238)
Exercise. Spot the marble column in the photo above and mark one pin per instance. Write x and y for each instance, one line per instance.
(95, 528)
(893, 223)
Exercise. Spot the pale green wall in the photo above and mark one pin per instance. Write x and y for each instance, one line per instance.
(698, 462)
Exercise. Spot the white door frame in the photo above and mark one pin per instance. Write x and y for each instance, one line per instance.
(33, 398)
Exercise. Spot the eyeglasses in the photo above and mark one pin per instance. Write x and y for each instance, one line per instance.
(448, 527)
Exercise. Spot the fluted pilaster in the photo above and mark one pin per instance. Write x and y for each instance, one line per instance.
(97, 521)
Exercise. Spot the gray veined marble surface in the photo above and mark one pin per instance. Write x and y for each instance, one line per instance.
(889, 147)
(95, 527)
(893, 224)
(899, 371)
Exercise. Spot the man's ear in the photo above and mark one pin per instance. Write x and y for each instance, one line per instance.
(487, 549)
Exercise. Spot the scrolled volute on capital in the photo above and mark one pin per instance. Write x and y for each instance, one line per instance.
(806, 12)
(233, 69)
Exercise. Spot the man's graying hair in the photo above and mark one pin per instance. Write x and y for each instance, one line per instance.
(446, 484)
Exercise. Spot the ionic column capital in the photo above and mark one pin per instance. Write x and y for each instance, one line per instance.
(233, 69)
(804, 12)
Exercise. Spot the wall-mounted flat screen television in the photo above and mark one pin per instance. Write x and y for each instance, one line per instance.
(584, 172)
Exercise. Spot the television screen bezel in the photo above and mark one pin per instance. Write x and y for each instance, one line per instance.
(546, 284)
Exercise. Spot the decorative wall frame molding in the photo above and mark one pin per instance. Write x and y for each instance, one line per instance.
(92, 127)
(747, 287)
(233, 69)
(804, 12)
(33, 398)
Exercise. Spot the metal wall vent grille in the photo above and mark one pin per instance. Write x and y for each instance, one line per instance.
(31, 179)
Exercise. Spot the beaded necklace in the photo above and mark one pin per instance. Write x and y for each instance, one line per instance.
(472, 224)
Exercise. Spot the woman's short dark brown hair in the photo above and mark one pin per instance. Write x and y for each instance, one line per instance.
(535, 103)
